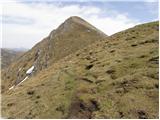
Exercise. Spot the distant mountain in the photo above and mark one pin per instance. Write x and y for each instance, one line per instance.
(65, 76)
(21, 49)
(8, 56)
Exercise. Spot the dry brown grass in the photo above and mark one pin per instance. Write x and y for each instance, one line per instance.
(124, 81)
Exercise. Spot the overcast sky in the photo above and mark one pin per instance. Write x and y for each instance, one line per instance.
(26, 22)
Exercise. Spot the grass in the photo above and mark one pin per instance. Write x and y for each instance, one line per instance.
(124, 81)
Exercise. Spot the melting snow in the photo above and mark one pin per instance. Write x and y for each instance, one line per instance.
(18, 83)
(19, 69)
(88, 30)
(11, 87)
(23, 80)
(30, 70)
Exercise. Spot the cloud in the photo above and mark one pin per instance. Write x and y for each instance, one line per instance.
(25, 24)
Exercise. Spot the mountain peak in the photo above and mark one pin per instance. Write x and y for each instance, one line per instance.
(75, 23)
(78, 20)
(72, 35)
(74, 18)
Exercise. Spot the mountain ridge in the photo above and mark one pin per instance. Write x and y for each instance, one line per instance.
(52, 48)
(118, 79)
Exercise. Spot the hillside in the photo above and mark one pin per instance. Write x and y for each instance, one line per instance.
(113, 78)
(74, 34)
(8, 56)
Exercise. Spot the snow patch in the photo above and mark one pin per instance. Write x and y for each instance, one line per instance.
(23, 80)
(18, 83)
(30, 70)
(11, 87)
(19, 69)
(88, 31)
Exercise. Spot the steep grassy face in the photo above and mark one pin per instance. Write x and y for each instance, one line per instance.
(118, 79)
(72, 35)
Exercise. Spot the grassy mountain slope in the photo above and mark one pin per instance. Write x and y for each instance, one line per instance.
(114, 78)
(72, 35)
